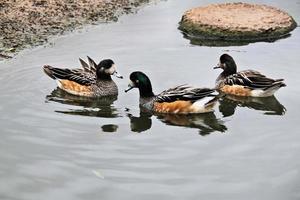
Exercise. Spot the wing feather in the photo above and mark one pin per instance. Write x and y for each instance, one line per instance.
(77, 75)
(91, 67)
(85, 75)
(251, 79)
(184, 92)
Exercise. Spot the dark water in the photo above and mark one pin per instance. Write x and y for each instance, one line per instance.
(57, 146)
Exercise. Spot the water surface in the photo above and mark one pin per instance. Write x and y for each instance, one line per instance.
(55, 145)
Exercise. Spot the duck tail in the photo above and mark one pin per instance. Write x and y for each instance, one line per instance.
(212, 101)
(275, 86)
(280, 82)
(56, 73)
(205, 104)
(49, 71)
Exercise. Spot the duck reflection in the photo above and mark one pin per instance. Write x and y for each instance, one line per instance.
(87, 106)
(141, 123)
(109, 128)
(206, 123)
(270, 105)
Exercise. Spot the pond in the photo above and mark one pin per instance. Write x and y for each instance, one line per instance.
(55, 145)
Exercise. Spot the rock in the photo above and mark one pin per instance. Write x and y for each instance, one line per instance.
(236, 22)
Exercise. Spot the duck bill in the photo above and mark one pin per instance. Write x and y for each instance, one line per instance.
(219, 65)
(129, 88)
(131, 85)
(116, 74)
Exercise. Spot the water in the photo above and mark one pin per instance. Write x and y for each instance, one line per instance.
(56, 146)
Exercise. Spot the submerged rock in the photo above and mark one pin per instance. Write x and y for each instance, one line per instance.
(236, 22)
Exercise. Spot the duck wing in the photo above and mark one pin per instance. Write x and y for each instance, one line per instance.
(79, 76)
(91, 67)
(185, 93)
(84, 76)
(252, 79)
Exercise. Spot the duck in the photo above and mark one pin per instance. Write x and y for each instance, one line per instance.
(182, 99)
(249, 83)
(91, 80)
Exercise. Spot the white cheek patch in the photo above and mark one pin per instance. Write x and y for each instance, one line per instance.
(111, 70)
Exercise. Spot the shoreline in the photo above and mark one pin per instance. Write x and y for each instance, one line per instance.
(30, 23)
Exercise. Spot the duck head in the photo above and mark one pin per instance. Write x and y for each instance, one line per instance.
(227, 64)
(106, 68)
(142, 82)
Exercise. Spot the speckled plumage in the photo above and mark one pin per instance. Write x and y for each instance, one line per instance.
(91, 80)
(105, 88)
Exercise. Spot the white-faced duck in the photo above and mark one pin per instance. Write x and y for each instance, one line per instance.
(91, 80)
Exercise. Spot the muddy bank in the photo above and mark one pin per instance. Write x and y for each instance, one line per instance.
(25, 23)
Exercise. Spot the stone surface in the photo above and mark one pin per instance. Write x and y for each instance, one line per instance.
(237, 21)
